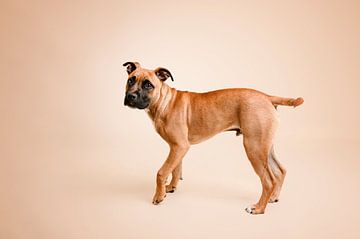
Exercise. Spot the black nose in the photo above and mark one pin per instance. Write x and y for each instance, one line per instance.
(131, 97)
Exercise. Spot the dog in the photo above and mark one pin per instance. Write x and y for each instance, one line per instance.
(185, 118)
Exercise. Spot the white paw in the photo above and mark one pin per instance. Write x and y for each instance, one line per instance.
(250, 209)
(253, 210)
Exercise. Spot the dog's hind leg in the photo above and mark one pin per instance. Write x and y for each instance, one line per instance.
(279, 172)
(259, 128)
(258, 156)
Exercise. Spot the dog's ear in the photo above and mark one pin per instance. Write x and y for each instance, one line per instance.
(163, 74)
(131, 66)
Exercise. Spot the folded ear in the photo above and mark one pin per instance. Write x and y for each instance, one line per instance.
(131, 66)
(163, 74)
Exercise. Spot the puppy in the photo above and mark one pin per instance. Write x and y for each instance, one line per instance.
(185, 118)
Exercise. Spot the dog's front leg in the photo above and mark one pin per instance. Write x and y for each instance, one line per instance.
(177, 152)
(176, 176)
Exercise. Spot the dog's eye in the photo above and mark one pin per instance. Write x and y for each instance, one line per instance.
(147, 85)
(131, 81)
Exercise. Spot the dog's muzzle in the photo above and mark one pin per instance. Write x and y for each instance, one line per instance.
(134, 100)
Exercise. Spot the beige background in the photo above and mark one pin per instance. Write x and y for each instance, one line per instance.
(76, 163)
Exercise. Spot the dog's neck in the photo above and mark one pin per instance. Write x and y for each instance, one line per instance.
(159, 106)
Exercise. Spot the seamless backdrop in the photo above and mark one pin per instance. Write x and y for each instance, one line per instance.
(76, 163)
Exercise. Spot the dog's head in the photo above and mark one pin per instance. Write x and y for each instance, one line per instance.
(143, 86)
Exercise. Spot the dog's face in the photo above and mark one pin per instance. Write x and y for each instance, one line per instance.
(143, 86)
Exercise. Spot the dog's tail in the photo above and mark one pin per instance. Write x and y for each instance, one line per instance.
(276, 100)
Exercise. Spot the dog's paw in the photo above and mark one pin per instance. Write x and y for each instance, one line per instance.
(253, 210)
(158, 198)
(170, 189)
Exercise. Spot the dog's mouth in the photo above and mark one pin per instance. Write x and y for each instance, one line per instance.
(136, 105)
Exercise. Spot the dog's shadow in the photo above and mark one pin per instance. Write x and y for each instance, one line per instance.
(132, 187)
(229, 192)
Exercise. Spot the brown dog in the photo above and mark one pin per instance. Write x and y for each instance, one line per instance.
(184, 118)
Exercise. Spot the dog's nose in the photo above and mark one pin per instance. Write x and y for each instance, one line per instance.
(131, 97)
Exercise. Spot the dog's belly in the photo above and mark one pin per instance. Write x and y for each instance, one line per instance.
(206, 122)
(200, 134)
